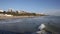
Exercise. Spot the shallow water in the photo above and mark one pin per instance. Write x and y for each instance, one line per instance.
(17, 22)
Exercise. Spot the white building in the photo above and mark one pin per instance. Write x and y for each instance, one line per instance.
(8, 15)
(5, 15)
(10, 10)
(1, 10)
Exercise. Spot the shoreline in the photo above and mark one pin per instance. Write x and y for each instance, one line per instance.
(12, 17)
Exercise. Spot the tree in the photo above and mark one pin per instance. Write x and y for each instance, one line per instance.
(34, 14)
(17, 12)
(4, 12)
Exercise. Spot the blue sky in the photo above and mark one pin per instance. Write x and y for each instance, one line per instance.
(51, 7)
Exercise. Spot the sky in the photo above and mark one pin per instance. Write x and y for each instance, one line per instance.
(50, 7)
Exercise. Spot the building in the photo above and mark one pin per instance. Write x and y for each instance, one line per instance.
(10, 10)
(5, 15)
(1, 10)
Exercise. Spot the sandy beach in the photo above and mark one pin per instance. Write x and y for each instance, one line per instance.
(11, 17)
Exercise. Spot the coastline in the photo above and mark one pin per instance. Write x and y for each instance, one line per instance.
(12, 17)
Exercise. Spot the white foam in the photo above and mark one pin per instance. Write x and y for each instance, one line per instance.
(42, 26)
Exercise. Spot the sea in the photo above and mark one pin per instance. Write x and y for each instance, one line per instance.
(5, 23)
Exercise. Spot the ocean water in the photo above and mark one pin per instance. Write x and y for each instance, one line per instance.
(15, 26)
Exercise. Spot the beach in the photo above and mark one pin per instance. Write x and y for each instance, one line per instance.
(11, 17)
